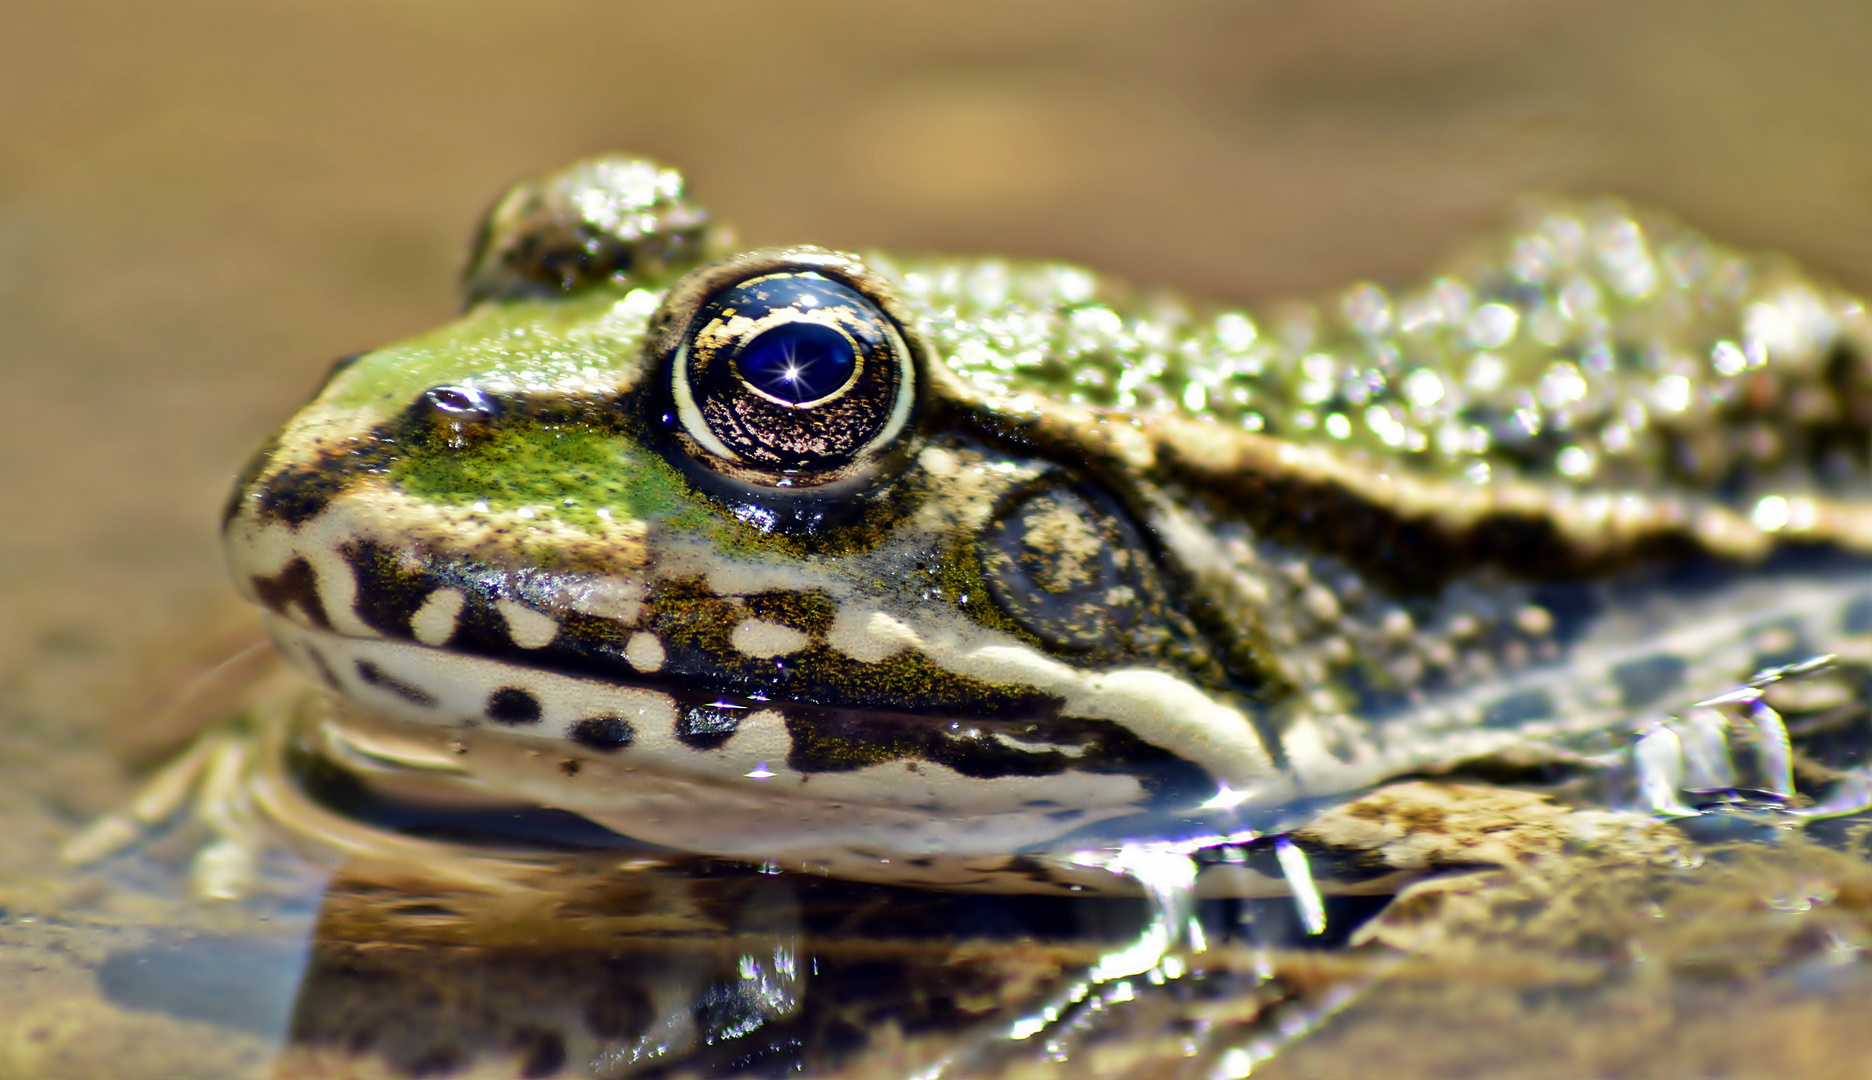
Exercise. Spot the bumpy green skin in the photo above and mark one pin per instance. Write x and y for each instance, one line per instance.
(1591, 346)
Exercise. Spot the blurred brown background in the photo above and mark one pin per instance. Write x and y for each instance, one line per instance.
(202, 202)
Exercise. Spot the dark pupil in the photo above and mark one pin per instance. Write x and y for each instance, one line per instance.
(797, 362)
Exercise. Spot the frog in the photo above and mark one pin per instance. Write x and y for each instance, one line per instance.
(926, 569)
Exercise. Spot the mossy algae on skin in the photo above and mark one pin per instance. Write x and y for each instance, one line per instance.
(562, 472)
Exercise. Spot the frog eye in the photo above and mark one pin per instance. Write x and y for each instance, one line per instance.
(787, 371)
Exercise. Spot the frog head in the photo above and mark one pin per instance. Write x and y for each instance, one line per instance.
(728, 516)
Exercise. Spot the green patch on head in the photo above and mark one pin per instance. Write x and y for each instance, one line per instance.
(558, 472)
(524, 346)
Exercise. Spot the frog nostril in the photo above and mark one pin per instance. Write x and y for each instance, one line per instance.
(463, 401)
(456, 416)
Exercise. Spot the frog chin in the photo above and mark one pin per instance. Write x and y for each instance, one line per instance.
(746, 780)
(861, 822)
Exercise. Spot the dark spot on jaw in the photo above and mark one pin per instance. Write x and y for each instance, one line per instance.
(295, 584)
(571, 766)
(705, 727)
(297, 495)
(326, 675)
(512, 705)
(605, 734)
(383, 680)
(846, 740)
(389, 592)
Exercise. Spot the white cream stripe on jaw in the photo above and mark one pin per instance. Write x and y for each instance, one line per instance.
(765, 640)
(1155, 706)
(529, 629)
(544, 711)
(644, 651)
(1158, 707)
(434, 622)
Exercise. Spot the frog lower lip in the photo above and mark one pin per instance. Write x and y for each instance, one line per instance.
(696, 730)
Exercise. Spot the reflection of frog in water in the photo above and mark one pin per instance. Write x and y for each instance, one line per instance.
(903, 567)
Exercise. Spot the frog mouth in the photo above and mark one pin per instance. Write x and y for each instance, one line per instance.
(1063, 765)
(684, 677)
